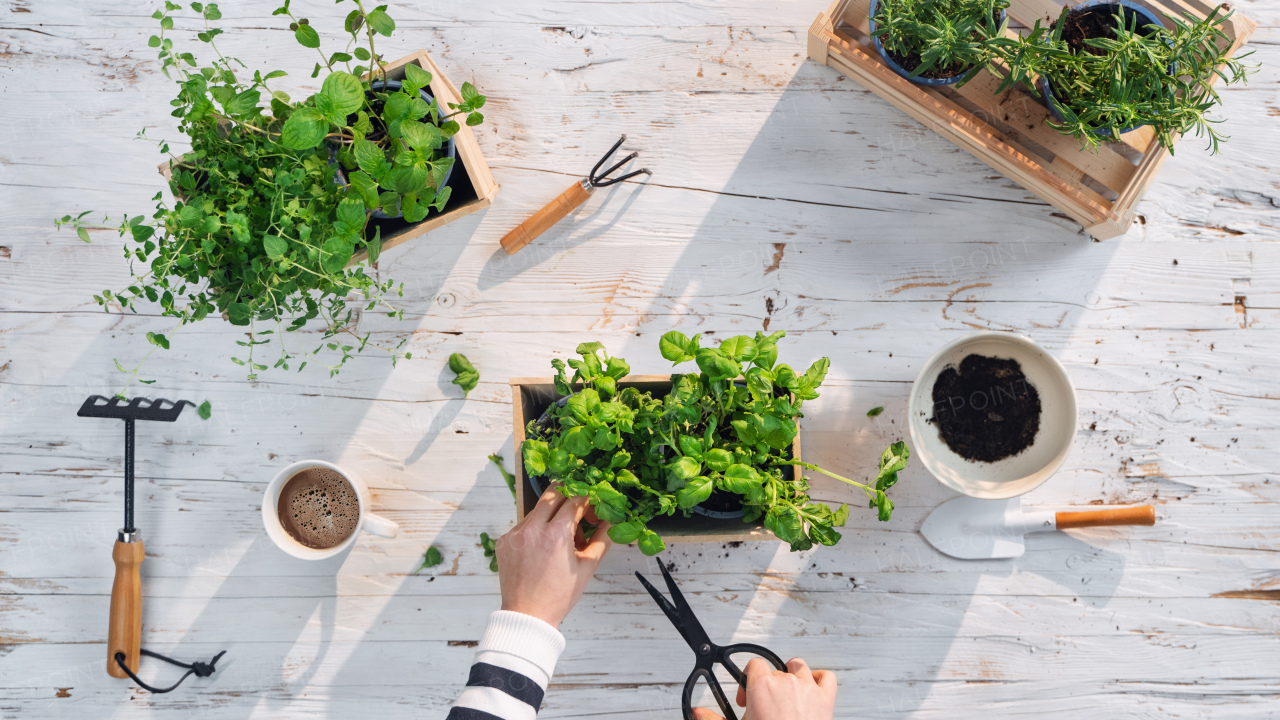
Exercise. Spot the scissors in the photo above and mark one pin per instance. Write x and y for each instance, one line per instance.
(706, 653)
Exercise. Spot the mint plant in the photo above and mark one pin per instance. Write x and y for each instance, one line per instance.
(275, 197)
(1136, 74)
(943, 38)
(728, 428)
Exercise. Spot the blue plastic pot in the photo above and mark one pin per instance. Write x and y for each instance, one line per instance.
(893, 64)
(1145, 16)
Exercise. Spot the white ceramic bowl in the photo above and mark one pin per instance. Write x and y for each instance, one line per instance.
(1011, 476)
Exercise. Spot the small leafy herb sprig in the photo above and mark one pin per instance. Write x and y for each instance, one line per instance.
(274, 201)
(728, 428)
(1140, 75)
(465, 374)
(948, 36)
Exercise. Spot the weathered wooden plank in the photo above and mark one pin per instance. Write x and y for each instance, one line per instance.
(783, 196)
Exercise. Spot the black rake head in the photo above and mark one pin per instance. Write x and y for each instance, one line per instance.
(160, 409)
(602, 179)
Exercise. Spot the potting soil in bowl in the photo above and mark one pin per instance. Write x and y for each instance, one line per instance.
(986, 410)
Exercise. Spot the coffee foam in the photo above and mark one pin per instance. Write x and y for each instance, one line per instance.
(319, 508)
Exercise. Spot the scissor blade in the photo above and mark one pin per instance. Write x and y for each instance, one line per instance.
(672, 614)
(689, 626)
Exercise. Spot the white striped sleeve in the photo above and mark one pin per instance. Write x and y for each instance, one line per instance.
(513, 665)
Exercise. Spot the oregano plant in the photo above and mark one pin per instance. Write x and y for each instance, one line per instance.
(727, 429)
(275, 198)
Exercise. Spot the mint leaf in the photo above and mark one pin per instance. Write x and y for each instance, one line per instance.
(304, 129)
(416, 75)
(307, 36)
(346, 92)
(275, 246)
(431, 558)
(381, 22)
(467, 375)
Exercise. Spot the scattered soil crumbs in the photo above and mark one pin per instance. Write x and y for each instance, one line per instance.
(986, 410)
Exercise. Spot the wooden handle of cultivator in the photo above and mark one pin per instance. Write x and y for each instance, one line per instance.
(1134, 515)
(550, 214)
(125, 631)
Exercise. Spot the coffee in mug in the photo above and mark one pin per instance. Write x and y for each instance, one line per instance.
(312, 510)
(319, 508)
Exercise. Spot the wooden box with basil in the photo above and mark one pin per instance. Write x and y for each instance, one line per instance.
(711, 455)
(1044, 105)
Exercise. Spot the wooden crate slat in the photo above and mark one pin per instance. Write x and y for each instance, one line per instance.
(1106, 166)
(1059, 180)
(1027, 114)
(962, 128)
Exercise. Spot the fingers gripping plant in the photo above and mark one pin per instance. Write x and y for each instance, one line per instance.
(1140, 75)
(273, 201)
(728, 429)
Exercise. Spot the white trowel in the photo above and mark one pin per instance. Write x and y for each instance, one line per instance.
(973, 529)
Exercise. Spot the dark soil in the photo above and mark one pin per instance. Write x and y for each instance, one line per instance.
(722, 501)
(1097, 21)
(912, 60)
(376, 104)
(986, 410)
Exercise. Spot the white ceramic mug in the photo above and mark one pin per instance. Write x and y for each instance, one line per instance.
(368, 522)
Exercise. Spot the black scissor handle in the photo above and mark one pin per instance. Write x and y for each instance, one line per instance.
(738, 674)
(686, 702)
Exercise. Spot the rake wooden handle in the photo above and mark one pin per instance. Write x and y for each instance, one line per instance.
(124, 634)
(1133, 515)
(550, 214)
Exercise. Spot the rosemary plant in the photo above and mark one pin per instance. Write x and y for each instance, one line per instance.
(945, 37)
(1137, 75)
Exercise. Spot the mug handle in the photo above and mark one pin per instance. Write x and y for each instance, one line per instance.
(380, 526)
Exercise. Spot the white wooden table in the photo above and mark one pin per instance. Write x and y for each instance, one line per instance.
(783, 197)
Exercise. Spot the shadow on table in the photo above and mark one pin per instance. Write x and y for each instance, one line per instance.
(905, 239)
(565, 235)
(306, 415)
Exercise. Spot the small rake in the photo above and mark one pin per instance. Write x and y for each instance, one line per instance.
(124, 634)
(569, 200)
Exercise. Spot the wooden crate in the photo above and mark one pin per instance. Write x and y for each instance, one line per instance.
(1100, 190)
(530, 397)
(473, 185)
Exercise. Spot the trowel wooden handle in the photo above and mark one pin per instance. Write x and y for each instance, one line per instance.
(550, 214)
(1134, 515)
(124, 634)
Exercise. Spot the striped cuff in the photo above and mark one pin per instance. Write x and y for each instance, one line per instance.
(513, 665)
(522, 637)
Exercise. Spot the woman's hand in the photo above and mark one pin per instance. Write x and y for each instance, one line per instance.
(544, 562)
(797, 694)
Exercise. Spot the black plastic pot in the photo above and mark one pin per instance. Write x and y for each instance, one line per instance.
(450, 149)
(539, 484)
(1107, 7)
(894, 66)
